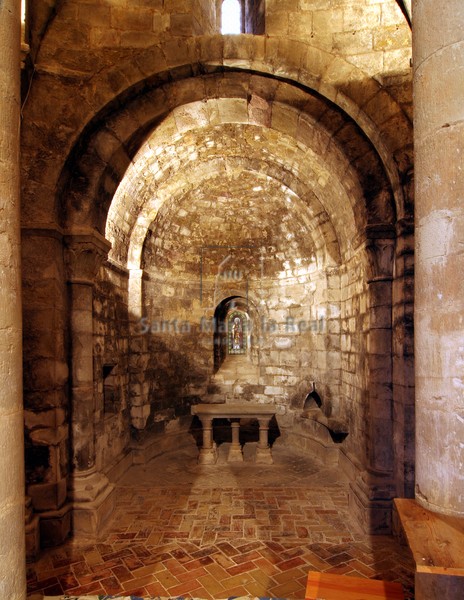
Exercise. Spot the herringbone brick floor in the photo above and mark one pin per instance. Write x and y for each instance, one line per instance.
(181, 529)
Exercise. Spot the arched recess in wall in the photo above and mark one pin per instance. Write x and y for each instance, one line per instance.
(104, 159)
(235, 329)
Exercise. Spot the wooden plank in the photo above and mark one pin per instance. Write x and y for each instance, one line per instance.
(325, 586)
(436, 541)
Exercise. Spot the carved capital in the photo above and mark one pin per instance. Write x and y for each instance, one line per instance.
(380, 256)
(85, 252)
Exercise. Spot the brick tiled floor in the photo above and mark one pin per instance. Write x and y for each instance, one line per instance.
(181, 529)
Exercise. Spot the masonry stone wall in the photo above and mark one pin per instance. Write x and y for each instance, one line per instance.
(143, 124)
(354, 325)
(111, 365)
(46, 403)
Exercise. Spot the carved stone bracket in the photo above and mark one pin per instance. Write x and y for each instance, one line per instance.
(380, 256)
(85, 252)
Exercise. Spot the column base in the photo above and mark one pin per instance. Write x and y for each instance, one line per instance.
(371, 504)
(263, 456)
(93, 502)
(32, 532)
(55, 526)
(235, 454)
(208, 456)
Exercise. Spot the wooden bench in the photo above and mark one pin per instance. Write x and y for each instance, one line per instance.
(325, 586)
(234, 412)
(437, 545)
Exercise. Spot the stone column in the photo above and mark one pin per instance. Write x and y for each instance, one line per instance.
(90, 490)
(263, 451)
(12, 533)
(373, 491)
(403, 359)
(208, 452)
(235, 450)
(438, 42)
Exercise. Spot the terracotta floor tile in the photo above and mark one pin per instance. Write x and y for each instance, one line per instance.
(287, 589)
(184, 588)
(93, 588)
(290, 575)
(242, 568)
(166, 579)
(211, 584)
(217, 572)
(111, 585)
(139, 582)
(139, 591)
(224, 533)
(262, 577)
(203, 594)
(148, 570)
(156, 589)
(122, 573)
(235, 592)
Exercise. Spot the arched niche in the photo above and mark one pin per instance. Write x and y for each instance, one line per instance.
(234, 321)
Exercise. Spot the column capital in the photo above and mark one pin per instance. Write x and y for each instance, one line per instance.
(85, 252)
(380, 253)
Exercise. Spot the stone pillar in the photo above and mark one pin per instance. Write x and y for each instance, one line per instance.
(12, 531)
(90, 490)
(45, 386)
(208, 452)
(403, 359)
(263, 451)
(235, 451)
(438, 42)
(373, 491)
(139, 355)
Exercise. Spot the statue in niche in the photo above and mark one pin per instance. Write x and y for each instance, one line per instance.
(237, 333)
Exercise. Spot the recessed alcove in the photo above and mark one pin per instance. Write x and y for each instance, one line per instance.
(231, 223)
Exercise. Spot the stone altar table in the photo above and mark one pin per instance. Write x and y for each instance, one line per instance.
(208, 412)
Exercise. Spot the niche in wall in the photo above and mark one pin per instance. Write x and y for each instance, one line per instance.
(232, 330)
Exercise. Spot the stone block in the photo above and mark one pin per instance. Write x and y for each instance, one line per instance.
(353, 42)
(390, 38)
(48, 496)
(55, 526)
(51, 436)
(131, 19)
(94, 15)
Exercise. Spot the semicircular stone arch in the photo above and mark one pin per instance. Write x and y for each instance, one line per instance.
(104, 157)
(273, 156)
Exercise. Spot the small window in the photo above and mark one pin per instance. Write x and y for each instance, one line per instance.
(231, 17)
(237, 330)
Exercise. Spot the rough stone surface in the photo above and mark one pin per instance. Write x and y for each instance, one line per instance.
(12, 508)
(273, 168)
(439, 307)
